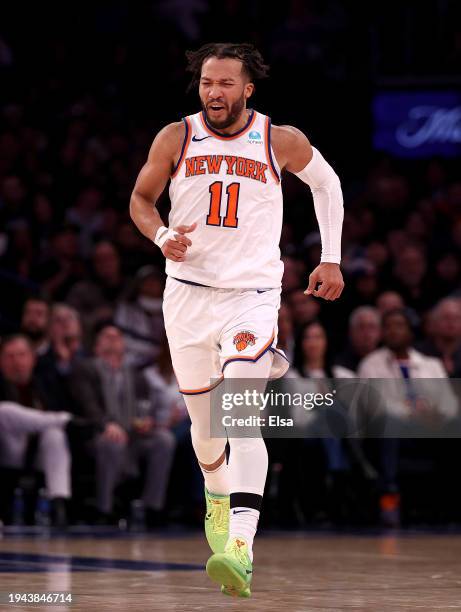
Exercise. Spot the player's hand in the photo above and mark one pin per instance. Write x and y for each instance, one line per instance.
(175, 249)
(330, 279)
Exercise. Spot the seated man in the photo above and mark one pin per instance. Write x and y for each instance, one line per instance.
(408, 394)
(364, 337)
(26, 408)
(65, 349)
(444, 335)
(115, 396)
(35, 323)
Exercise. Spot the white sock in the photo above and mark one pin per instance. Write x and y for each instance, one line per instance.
(243, 523)
(248, 463)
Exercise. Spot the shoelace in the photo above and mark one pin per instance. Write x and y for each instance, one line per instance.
(220, 516)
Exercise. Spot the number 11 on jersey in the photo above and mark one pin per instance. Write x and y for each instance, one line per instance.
(214, 216)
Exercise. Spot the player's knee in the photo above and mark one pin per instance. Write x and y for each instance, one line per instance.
(209, 452)
(199, 434)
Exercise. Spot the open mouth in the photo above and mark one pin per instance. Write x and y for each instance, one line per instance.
(215, 107)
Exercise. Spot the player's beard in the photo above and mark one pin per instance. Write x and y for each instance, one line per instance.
(232, 115)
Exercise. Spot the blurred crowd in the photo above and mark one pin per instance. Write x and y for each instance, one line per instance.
(89, 403)
(88, 398)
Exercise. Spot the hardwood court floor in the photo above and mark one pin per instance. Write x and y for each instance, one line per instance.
(294, 573)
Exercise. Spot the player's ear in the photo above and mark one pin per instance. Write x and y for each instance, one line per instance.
(249, 90)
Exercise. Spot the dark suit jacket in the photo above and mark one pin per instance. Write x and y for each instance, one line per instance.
(43, 396)
(87, 390)
(51, 377)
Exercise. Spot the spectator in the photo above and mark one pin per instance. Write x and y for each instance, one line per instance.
(291, 275)
(42, 220)
(65, 349)
(13, 195)
(378, 254)
(447, 270)
(140, 317)
(35, 323)
(95, 297)
(304, 308)
(313, 361)
(364, 337)
(134, 251)
(162, 380)
(311, 358)
(410, 273)
(389, 300)
(397, 359)
(20, 247)
(62, 267)
(27, 408)
(86, 215)
(364, 282)
(187, 474)
(115, 396)
(444, 339)
(65, 338)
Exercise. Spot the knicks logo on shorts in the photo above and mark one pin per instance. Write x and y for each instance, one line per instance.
(244, 339)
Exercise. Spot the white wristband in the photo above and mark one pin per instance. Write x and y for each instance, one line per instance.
(162, 235)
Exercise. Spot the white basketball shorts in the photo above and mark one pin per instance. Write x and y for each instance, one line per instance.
(209, 328)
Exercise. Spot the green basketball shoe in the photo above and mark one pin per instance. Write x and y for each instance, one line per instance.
(232, 569)
(217, 520)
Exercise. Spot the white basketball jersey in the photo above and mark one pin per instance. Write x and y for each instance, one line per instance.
(230, 186)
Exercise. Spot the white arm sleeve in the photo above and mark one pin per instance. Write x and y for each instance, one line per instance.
(328, 204)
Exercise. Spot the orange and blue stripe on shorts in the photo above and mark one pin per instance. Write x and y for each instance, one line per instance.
(252, 358)
(202, 390)
(248, 358)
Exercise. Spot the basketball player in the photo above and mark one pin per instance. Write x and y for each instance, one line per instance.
(224, 271)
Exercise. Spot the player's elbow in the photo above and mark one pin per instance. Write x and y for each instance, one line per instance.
(329, 184)
(338, 189)
(132, 208)
(332, 182)
(330, 178)
(136, 203)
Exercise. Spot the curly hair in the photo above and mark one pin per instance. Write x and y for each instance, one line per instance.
(251, 58)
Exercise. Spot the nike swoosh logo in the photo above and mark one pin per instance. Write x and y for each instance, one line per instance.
(195, 139)
(239, 511)
(262, 290)
(249, 571)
